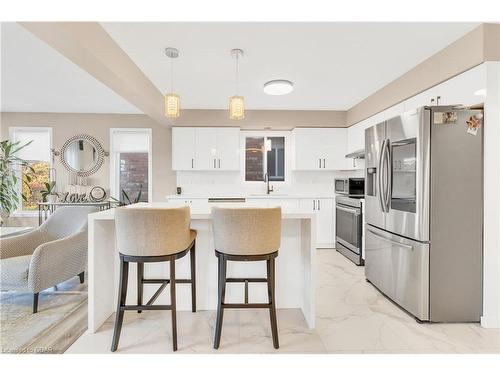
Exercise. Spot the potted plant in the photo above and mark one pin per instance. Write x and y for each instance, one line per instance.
(48, 194)
(125, 201)
(10, 164)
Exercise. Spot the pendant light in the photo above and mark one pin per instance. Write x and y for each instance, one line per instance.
(172, 100)
(237, 103)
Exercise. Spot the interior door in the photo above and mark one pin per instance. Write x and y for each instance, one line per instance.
(407, 199)
(399, 267)
(374, 140)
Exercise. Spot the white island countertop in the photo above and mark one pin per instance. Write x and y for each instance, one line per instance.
(252, 196)
(295, 266)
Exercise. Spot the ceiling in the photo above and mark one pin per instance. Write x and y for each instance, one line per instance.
(333, 65)
(37, 78)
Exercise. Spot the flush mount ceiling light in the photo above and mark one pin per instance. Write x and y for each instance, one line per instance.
(237, 103)
(278, 87)
(172, 100)
(480, 92)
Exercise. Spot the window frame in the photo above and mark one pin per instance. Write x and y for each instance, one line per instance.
(266, 134)
(114, 161)
(19, 212)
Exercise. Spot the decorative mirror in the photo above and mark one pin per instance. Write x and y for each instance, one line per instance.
(82, 154)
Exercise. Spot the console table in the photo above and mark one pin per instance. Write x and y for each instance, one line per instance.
(46, 208)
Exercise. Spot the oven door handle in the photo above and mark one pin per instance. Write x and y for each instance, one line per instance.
(350, 210)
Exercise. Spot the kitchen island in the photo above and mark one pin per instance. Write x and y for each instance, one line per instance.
(295, 267)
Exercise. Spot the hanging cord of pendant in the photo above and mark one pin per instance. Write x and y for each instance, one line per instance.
(237, 72)
(171, 75)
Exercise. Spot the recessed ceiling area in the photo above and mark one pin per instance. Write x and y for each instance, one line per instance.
(333, 66)
(37, 78)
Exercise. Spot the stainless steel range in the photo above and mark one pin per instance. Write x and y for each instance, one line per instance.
(349, 227)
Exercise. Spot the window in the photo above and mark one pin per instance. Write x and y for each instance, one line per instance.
(38, 156)
(131, 177)
(264, 155)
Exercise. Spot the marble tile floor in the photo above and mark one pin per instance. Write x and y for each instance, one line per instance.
(352, 317)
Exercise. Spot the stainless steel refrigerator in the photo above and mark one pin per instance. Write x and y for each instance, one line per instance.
(424, 199)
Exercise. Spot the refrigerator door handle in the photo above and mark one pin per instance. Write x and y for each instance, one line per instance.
(388, 185)
(380, 172)
(389, 240)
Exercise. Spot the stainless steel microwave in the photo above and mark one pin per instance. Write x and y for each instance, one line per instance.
(350, 186)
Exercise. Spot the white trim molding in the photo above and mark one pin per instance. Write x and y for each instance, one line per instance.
(12, 131)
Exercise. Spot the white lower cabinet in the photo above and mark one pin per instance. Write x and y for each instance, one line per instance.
(286, 204)
(325, 219)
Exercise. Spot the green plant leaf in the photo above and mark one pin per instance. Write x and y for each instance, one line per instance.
(138, 199)
(125, 196)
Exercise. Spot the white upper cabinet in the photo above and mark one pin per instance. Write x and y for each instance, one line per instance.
(228, 149)
(428, 97)
(183, 149)
(319, 149)
(462, 89)
(459, 90)
(205, 149)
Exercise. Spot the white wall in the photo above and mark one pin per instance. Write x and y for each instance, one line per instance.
(491, 248)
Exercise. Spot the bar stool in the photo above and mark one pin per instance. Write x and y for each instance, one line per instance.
(147, 235)
(246, 235)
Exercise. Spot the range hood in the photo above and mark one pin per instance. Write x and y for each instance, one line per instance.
(358, 154)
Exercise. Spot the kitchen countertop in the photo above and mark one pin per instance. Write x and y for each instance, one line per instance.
(253, 196)
(196, 212)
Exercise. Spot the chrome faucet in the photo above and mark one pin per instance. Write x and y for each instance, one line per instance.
(266, 179)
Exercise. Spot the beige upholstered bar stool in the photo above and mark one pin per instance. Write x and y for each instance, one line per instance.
(145, 235)
(246, 235)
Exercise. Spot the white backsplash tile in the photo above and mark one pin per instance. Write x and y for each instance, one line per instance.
(231, 183)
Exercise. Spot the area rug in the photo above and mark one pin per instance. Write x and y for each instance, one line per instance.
(60, 320)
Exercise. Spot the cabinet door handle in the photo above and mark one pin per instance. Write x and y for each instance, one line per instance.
(314, 204)
(319, 207)
(219, 163)
(324, 163)
(319, 162)
(192, 163)
(214, 164)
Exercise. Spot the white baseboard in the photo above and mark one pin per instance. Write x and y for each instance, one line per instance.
(490, 321)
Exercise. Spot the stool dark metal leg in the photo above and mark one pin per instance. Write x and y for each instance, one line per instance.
(122, 295)
(140, 286)
(192, 255)
(272, 302)
(220, 307)
(35, 303)
(173, 304)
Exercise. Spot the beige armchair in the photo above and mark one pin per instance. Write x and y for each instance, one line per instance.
(54, 252)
